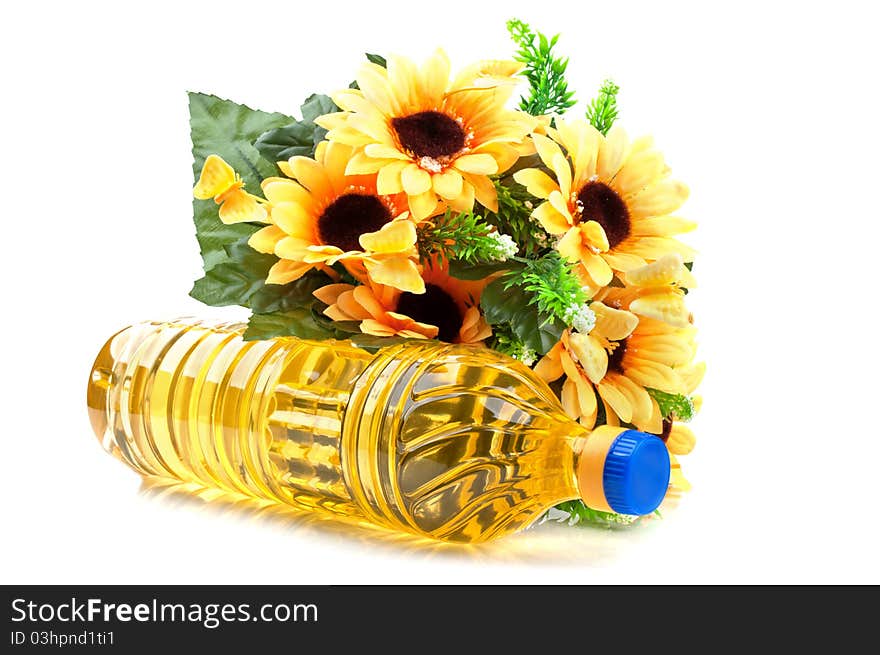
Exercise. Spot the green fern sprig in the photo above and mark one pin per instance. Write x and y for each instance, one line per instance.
(602, 111)
(514, 218)
(553, 285)
(460, 236)
(545, 72)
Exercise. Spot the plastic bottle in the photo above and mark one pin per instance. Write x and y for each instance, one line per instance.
(448, 441)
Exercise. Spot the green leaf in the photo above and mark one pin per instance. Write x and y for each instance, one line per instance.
(283, 297)
(377, 59)
(515, 307)
(213, 236)
(226, 284)
(673, 404)
(317, 105)
(285, 142)
(553, 286)
(297, 137)
(240, 280)
(227, 129)
(297, 322)
(464, 271)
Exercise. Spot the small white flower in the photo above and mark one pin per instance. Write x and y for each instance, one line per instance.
(527, 356)
(505, 246)
(580, 317)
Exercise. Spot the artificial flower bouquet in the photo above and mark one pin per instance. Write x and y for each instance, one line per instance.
(418, 203)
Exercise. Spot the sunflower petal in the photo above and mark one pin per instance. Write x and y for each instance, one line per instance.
(415, 180)
(398, 272)
(536, 182)
(546, 148)
(279, 190)
(590, 354)
(264, 240)
(394, 237)
(330, 292)
(447, 184)
(294, 220)
(361, 164)
(549, 368)
(638, 398)
(593, 233)
(478, 164)
(613, 324)
(423, 205)
(388, 181)
(612, 153)
(285, 271)
(681, 439)
(598, 269)
(668, 307)
(571, 247)
(550, 219)
(377, 329)
(311, 175)
(616, 400)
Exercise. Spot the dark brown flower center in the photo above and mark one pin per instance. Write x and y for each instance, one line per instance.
(429, 134)
(600, 203)
(615, 357)
(434, 307)
(348, 217)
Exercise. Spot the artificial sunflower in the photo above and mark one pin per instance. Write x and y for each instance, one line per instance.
(318, 215)
(620, 357)
(429, 138)
(610, 202)
(448, 310)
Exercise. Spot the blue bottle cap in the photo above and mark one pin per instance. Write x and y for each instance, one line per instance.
(636, 473)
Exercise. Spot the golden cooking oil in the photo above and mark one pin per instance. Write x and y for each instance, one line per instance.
(449, 441)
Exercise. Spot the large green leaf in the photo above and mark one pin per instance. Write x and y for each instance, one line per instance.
(227, 129)
(296, 137)
(464, 271)
(297, 322)
(514, 307)
(227, 283)
(284, 297)
(240, 280)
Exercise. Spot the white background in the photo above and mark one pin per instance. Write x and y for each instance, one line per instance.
(769, 111)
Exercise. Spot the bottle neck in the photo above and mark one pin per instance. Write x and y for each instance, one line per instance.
(589, 465)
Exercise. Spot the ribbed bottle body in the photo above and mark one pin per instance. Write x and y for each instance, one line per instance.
(195, 402)
(452, 442)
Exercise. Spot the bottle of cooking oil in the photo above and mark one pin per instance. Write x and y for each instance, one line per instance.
(448, 441)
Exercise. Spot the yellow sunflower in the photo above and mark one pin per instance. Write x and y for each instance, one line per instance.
(611, 201)
(448, 310)
(318, 215)
(621, 356)
(428, 137)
